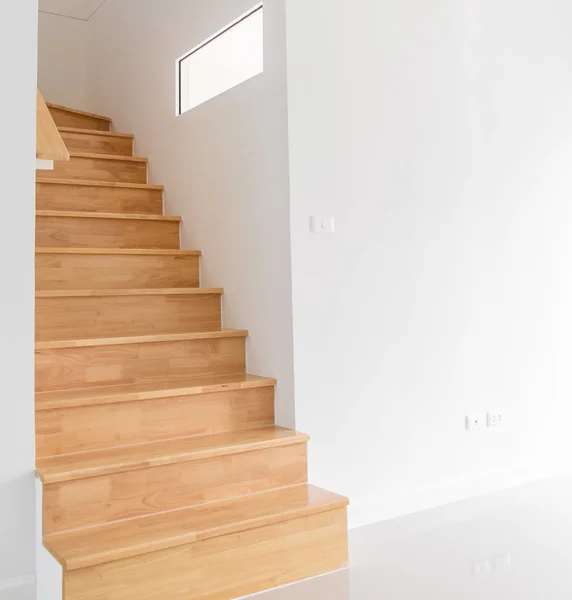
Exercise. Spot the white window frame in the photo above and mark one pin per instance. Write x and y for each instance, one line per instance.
(179, 62)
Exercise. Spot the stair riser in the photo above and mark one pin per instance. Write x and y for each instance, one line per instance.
(98, 271)
(98, 144)
(108, 316)
(81, 429)
(70, 368)
(99, 169)
(108, 498)
(222, 568)
(57, 196)
(83, 232)
(63, 118)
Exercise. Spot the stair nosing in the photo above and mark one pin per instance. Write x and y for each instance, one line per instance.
(102, 293)
(77, 111)
(128, 465)
(72, 214)
(140, 339)
(135, 159)
(96, 183)
(123, 397)
(120, 251)
(82, 131)
(196, 534)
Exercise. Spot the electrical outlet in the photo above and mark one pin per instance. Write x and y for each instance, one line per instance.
(492, 565)
(474, 422)
(495, 419)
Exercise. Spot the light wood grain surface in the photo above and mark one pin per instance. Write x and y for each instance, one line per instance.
(66, 269)
(98, 167)
(86, 548)
(49, 142)
(81, 429)
(97, 142)
(164, 474)
(89, 230)
(161, 388)
(70, 117)
(224, 567)
(86, 316)
(122, 495)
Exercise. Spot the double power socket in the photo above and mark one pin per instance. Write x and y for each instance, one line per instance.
(492, 419)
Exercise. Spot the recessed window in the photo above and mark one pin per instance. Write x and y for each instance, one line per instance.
(222, 62)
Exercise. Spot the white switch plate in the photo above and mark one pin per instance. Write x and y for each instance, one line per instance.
(322, 224)
(474, 422)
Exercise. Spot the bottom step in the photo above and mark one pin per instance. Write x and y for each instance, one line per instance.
(217, 551)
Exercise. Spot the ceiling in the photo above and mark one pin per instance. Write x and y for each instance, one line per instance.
(75, 9)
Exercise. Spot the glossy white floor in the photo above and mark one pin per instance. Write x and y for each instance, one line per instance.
(516, 545)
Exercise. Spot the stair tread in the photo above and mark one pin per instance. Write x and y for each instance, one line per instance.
(77, 112)
(127, 292)
(98, 215)
(96, 183)
(95, 132)
(139, 159)
(117, 251)
(167, 388)
(139, 339)
(89, 547)
(70, 467)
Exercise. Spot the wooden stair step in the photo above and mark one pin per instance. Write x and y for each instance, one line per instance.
(76, 229)
(119, 251)
(139, 339)
(115, 268)
(167, 388)
(73, 214)
(71, 117)
(89, 547)
(123, 482)
(94, 362)
(98, 196)
(102, 418)
(71, 467)
(100, 167)
(97, 142)
(225, 567)
(63, 314)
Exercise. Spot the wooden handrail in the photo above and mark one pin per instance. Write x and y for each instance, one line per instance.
(49, 142)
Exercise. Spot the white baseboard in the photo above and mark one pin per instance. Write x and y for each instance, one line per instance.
(44, 165)
(22, 588)
(49, 572)
(10, 584)
(382, 507)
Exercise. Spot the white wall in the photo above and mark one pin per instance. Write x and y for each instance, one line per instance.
(224, 163)
(18, 63)
(439, 134)
(62, 60)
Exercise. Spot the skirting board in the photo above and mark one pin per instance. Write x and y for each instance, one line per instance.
(382, 507)
(24, 589)
(49, 573)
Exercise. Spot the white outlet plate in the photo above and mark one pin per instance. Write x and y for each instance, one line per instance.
(473, 422)
(495, 419)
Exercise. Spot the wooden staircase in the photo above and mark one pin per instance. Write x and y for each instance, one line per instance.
(163, 472)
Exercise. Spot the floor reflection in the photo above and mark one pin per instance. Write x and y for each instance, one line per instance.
(516, 545)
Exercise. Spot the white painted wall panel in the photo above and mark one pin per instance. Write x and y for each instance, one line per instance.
(18, 63)
(439, 136)
(62, 60)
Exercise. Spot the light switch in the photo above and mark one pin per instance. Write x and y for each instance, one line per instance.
(322, 224)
